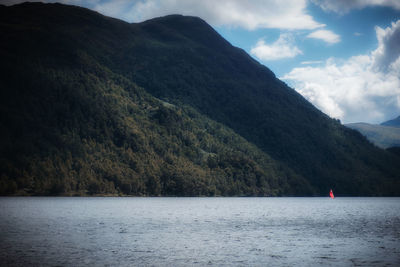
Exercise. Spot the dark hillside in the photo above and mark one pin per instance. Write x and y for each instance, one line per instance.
(91, 104)
(72, 126)
(199, 68)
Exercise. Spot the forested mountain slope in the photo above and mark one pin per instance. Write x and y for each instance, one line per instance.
(91, 104)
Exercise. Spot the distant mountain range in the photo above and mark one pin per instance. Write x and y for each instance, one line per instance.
(393, 123)
(92, 105)
(385, 135)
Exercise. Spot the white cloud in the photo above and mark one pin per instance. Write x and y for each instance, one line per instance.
(281, 48)
(311, 62)
(255, 14)
(344, 6)
(362, 88)
(250, 15)
(289, 14)
(325, 35)
(388, 49)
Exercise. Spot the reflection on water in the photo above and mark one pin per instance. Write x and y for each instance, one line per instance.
(199, 231)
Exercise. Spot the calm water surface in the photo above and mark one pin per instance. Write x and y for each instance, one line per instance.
(199, 231)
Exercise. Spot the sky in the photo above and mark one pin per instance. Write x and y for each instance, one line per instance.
(341, 55)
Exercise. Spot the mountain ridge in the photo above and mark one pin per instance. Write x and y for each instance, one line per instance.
(384, 135)
(394, 123)
(182, 61)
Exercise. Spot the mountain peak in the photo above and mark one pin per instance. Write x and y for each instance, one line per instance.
(193, 28)
(166, 106)
(177, 18)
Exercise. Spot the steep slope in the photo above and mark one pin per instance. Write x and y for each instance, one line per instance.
(381, 135)
(72, 126)
(195, 66)
(93, 132)
(182, 61)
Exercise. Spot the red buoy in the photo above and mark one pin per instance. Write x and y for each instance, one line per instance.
(331, 194)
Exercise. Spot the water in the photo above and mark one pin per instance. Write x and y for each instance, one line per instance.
(199, 231)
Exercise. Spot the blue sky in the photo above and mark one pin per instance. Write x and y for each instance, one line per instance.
(342, 55)
(356, 30)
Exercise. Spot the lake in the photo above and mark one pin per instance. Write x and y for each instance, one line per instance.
(69, 231)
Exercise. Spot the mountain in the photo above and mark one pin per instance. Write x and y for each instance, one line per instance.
(95, 105)
(381, 135)
(71, 126)
(393, 123)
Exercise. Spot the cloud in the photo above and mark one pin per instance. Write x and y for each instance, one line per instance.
(344, 6)
(361, 88)
(388, 50)
(290, 14)
(281, 48)
(325, 35)
(250, 15)
(311, 62)
(255, 14)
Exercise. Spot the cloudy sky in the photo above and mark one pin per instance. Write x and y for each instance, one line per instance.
(342, 55)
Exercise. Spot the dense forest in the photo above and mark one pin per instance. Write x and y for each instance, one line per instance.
(91, 105)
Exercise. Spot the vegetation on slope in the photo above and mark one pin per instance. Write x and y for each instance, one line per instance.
(184, 60)
(71, 126)
(76, 132)
(75, 119)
